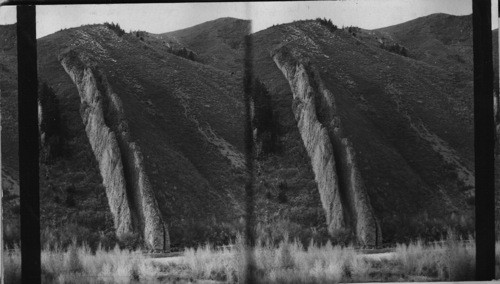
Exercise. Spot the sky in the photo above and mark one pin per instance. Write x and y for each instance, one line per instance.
(160, 18)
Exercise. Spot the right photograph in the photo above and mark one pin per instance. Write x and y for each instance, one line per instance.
(363, 123)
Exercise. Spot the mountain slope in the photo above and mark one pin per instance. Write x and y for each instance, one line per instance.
(368, 145)
(219, 42)
(438, 39)
(191, 147)
(10, 146)
(8, 69)
(409, 124)
(441, 40)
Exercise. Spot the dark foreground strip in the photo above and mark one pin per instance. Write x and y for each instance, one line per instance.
(484, 140)
(28, 144)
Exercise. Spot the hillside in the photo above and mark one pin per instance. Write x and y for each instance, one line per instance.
(398, 112)
(357, 139)
(409, 123)
(10, 146)
(438, 39)
(444, 41)
(441, 40)
(8, 67)
(190, 144)
(218, 42)
(168, 134)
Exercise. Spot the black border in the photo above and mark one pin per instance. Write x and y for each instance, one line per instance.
(484, 134)
(28, 144)
(484, 140)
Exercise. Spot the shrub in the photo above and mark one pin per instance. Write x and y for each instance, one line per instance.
(285, 262)
(63, 236)
(50, 123)
(395, 48)
(268, 194)
(183, 52)
(328, 24)
(139, 34)
(116, 28)
(12, 265)
(284, 257)
(70, 196)
(11, 232)
(130, 241)
(72, 259)
(353, 30)
(264, 120)
(342, 237)
(77, 263)
(460, 258)
(450, 260)
(282, 189)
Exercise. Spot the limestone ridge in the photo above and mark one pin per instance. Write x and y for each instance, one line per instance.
(341, 187)
(129, 192)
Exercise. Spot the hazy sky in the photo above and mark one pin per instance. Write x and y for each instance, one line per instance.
(158, 18)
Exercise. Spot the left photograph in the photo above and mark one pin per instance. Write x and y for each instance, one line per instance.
(141, 137)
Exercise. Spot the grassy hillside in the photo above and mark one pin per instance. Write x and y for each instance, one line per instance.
(8, 85)
(65, 214)
(438, 39)
(408, 114)
(219, 42)
(403, 116)
(177, 113)
(10, 146)
(286, 196)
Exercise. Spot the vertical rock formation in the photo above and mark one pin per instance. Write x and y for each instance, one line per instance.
(104, 146)
(316, 141)
(342, 190)
(128, 189)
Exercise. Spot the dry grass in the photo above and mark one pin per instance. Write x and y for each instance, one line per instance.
(451, 260)
(289, 262)
(12, 265)
(78, 264)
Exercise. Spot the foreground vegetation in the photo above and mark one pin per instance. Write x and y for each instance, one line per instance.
(291, 262)
(288, 262)
(78, 264)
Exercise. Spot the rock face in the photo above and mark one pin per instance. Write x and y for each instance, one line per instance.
(333, 158)
(316, 141)
(128, 189)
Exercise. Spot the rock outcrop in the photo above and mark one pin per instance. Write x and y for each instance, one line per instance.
(316, 141)
(128, 189)
(341, 187)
